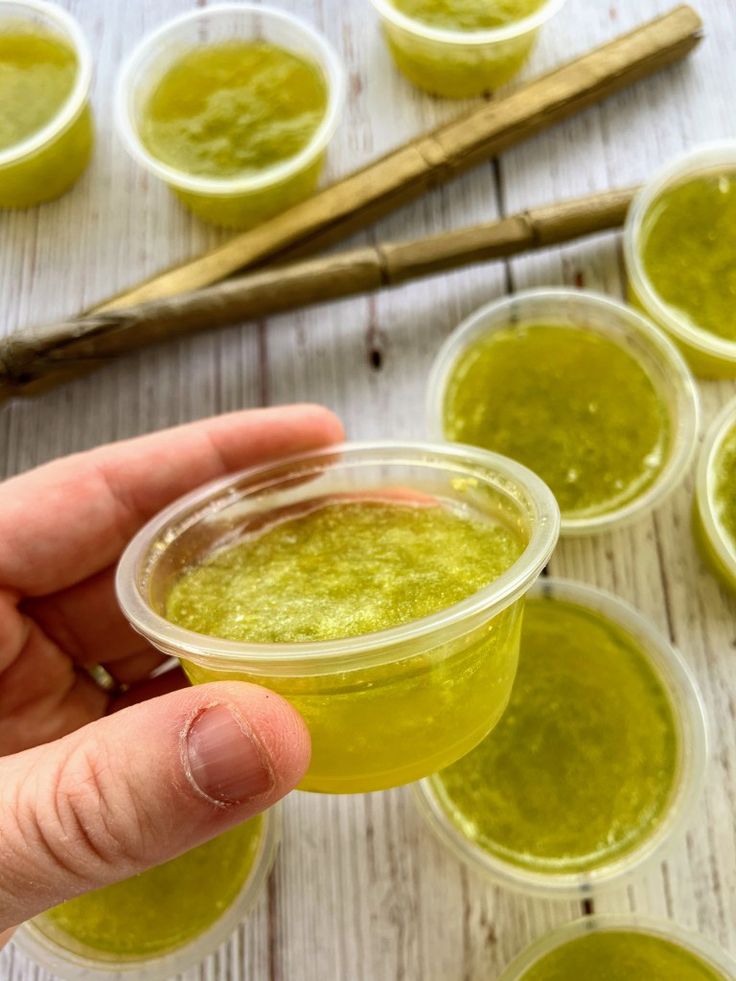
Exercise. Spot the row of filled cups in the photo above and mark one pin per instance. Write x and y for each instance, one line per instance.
(232, 105)
(182, 912)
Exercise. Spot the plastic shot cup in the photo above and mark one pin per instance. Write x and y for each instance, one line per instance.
(615, 321)
(694, 944)
(383, 708)
(458, 64)
(49, 161)
(233, 202)
(692, 756)
(709, 355)
(717, 545)
(71, 960)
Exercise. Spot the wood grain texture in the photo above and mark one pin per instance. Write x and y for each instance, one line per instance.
(361, 890)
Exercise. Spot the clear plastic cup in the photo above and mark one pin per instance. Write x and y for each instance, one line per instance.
(689, 711)
(73, 961)
(714, 956)
(236, 202)
(713, 539)
(384, 708)
(710, 356)
(617, 322)
(49, 161)
(459, 64)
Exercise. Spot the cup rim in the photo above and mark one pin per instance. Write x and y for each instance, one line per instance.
(705, 157)
(70, 109)
(723, 424)
(44, 950)
(328, 61)
(694, 943)
(681, 381)
(380, 647)
(688, 707)
(493, 35)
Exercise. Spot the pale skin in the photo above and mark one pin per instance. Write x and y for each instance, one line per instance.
(96, 787)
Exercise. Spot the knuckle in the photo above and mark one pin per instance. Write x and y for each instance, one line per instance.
(85, 819)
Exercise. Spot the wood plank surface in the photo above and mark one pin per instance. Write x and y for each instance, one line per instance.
(361, 890)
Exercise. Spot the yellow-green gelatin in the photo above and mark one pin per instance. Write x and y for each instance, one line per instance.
(234, 109)
(231, 112)
(162, 909)
(582, 767)
(621, 955)
(725, 487)
(688, 251)
(468, 15)
(38, 74)
(345, 568)
(680, 250)
(570, 404)
(465, 59)
(714, 512)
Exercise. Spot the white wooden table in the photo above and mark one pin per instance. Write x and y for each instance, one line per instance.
(361, 891)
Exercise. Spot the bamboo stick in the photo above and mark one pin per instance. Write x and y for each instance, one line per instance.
(48, 355)
(406, 173)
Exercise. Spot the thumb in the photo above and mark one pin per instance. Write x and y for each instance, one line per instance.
(139, 787)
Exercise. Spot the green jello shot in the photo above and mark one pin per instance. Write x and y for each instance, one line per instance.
(37, 72)
(461, 48)
(233, 106)
(725, 485)
(45, 121)
(234, 109)
(576, 406)
(162, 921)
(343, 569)
(689, 251)
(612, 948)
(577, 387)
(622, 956)
(680, 252)
(596, 761)
(714, 511)
(377, 587)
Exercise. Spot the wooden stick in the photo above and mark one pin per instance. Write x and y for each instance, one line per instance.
(408, 172)
(45, 356)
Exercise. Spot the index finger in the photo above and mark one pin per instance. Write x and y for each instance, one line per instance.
(67, 520)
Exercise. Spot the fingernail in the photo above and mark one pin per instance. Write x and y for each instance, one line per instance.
(224, 760)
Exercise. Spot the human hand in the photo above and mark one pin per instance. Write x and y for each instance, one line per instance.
(96, 787)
